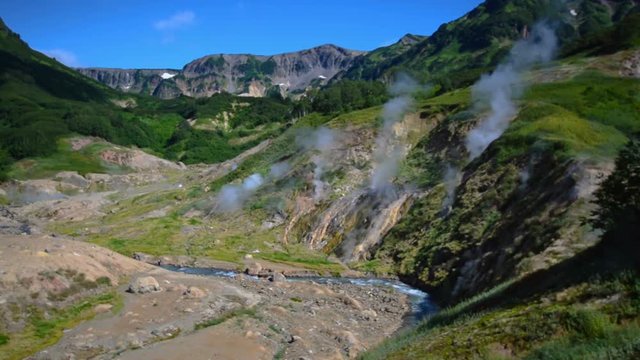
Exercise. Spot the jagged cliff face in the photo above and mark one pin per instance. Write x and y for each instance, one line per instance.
(130, 80)
(248, 75)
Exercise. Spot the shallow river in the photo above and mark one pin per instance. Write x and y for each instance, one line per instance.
(421, 304)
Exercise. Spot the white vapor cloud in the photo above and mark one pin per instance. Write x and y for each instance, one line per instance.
(232, 196)
(64, 56)
(176, 21)
(499, 90)
(387, 155)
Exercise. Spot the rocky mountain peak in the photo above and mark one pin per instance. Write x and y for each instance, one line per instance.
(242, 74)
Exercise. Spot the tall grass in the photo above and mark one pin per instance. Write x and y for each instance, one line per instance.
(42, 331)
(607, 342)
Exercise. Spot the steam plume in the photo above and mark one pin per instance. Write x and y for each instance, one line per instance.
(498, 90)
(387, 155)
(232, 196)
(322, 140)
(451, 180)
(278, 170)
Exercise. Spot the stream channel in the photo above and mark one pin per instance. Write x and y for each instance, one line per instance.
(421, 304)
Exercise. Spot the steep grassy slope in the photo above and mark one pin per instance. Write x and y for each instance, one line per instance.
(584, 307)
(516, 200)
(41, 101)
(478, 41)
(526, 276)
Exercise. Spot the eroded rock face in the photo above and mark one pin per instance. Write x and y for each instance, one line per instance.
(129, 80)
(216, 73)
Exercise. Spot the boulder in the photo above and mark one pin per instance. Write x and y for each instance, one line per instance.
(348, 300)
(253, 269)
(143, 285)
(194, 292)
(98, 178)
(166, 332)
(277, 277)
(146, 258)
(351, 345)
(275, 221)
(369, 314)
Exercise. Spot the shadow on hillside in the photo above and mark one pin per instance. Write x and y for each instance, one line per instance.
(614, 254)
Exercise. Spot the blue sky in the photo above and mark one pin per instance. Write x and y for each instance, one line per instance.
(168, 34)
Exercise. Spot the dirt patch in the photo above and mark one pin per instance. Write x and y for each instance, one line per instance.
(212, 343)
(80, 143)
(24, 258)
(137, 160)
(237, 318)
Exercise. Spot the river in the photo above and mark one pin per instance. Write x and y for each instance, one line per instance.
(421, 304)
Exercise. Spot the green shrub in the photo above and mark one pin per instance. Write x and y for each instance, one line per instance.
(4, 339)
(219, 320)
(103, 281)
(349, 95)
(587, 324)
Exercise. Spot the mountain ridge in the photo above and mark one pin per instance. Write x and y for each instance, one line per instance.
(243, 74)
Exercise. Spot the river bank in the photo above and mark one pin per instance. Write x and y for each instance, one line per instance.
(233, 315)
(420, 303)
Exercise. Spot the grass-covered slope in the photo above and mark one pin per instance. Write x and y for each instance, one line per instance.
(458, 52)
(584, 307)
(42, 101)
(519, 197)
(526, 276)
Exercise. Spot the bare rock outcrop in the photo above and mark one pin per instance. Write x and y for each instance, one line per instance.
(231, 73)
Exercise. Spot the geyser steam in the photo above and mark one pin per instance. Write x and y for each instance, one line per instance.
(387, 155)
(498, 90)
(451, 181)
(322, 140)
(232, 196)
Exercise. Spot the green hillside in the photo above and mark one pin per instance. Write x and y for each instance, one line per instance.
(478, 41)
(42, 100)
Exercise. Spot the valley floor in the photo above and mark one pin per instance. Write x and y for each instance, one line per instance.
(231, 318)
(62, 297)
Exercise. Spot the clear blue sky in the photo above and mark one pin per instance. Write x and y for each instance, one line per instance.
(170, 33)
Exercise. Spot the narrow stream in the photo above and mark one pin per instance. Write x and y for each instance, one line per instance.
(421, 304)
